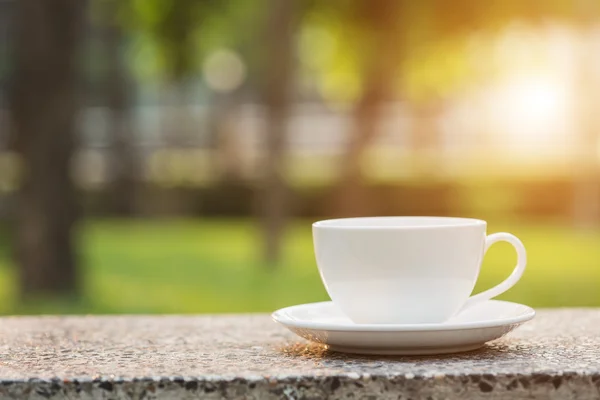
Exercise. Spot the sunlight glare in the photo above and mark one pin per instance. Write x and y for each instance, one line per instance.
(532, 113)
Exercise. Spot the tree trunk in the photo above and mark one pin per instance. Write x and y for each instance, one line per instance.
(44, 105)
(224, 139)
(426, 138)
(379, 76)
(122, 190)
(351, 195)
(586, 190)
(278, 80)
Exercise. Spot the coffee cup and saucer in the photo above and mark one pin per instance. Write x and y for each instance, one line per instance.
(401, 286)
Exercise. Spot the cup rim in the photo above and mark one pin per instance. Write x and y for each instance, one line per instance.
(431, 222)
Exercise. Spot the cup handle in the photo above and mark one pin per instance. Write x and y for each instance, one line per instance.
(513, 278)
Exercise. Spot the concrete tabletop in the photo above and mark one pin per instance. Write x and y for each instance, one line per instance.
(557, 355)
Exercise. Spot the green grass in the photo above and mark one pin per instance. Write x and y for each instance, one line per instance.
(212, 266)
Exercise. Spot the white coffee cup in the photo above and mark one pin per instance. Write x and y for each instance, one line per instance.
(406, 270)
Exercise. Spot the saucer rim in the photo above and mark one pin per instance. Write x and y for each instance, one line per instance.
(279, 317)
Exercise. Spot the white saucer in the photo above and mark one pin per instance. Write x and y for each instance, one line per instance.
(469, 330)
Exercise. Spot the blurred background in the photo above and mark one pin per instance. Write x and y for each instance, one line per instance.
(169, 156)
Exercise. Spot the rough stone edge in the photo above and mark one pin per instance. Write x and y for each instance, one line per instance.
(475, 386)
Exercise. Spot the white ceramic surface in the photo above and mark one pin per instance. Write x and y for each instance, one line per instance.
(404, 270)
(468, 330)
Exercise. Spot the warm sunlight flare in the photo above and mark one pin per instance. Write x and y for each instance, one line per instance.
(531, 114)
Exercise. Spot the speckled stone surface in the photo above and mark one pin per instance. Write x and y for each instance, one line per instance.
(555, 356)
